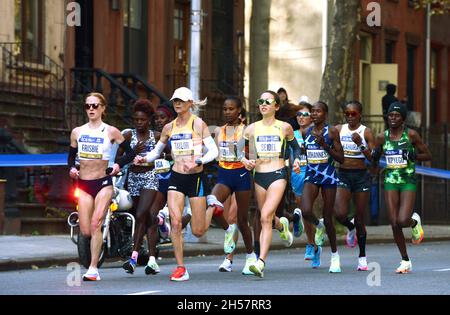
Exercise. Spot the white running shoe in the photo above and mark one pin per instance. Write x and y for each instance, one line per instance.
(226, 266)
(250, 259)
(405, 267)
(257, 268)
(91, 275)
(335, 266)
(362, 264)
(152, 267)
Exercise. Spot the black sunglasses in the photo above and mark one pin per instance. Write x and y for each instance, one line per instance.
(303, 114)
(93, 105)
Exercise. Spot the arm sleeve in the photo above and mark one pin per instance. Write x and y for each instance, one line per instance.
(128, 156)
(156, 152)
(212, 153)
(242, 148)
(295, 148)
(72, 156)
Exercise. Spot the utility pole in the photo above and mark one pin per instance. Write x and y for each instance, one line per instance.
(195, 47)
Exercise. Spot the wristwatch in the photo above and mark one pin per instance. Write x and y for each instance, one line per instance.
(362, 147)
(198, 162)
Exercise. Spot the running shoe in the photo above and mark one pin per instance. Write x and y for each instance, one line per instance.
(226, 266)
(250, 259)
(362, 264)
(320, 233)
(309, 253)
(152, 267)
(180, 274)
(335, 266)
(129, 266)
(417, 231)
(350, 239)
(91, 275)
(228, 243)
(298, 222)
(405, 267)
(257, 268)
(315, 261)
(286, 235)
(164, 226)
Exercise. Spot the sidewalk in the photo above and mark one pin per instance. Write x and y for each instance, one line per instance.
(26, 252)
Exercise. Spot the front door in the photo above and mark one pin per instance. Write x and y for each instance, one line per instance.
(181, 20)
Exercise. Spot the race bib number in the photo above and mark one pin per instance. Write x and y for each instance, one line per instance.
(316, 155)
(162, 166)
(268, 146)
(90, 147)
(182, 144)
(350, 148)
(225, 154)
(394, 159)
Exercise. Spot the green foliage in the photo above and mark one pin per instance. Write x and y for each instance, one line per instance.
(438, 7)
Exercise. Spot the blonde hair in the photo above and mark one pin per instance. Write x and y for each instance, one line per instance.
(197, 104)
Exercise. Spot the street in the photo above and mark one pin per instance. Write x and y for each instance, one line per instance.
(286, 273)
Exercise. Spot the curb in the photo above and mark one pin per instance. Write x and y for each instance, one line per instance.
(48, 262)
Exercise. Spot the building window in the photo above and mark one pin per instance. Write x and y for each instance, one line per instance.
(410, 76)
(135, 37)
(28, 28)
(389, 52)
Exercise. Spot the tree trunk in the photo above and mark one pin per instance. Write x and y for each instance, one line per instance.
(338, 69)
(259, 50)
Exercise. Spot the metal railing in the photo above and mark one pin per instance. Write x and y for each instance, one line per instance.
(138, 85)
(86, 80)
(28, 71)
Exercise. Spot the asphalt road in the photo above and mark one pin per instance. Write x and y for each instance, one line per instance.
(286, 274)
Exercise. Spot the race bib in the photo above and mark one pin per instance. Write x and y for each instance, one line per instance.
(394, 159)
(162, 166)
(316, 155)
(225, 154)
(90, 147)
(303, 160)
(182, 144)
(268, 146)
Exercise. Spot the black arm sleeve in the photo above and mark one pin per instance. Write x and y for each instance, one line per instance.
(128, 156)
(295, 148)
(72, 155)
(294, 123)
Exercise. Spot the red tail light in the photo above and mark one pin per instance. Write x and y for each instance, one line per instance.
(76, 193)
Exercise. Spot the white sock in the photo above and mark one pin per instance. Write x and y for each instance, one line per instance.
(334, 255)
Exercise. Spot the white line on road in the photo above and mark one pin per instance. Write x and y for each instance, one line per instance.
(447, 269)
(143, 293)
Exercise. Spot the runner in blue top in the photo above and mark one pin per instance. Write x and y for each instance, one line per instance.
(297, 182)
(322, 146)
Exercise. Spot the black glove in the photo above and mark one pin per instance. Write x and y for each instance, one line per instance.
(409, 155)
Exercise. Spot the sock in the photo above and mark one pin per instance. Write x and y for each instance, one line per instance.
(349, 225)
(257, 249)
(333, 255)
(151, 259)
(134, 255)
(362, 245)
(405, 258)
